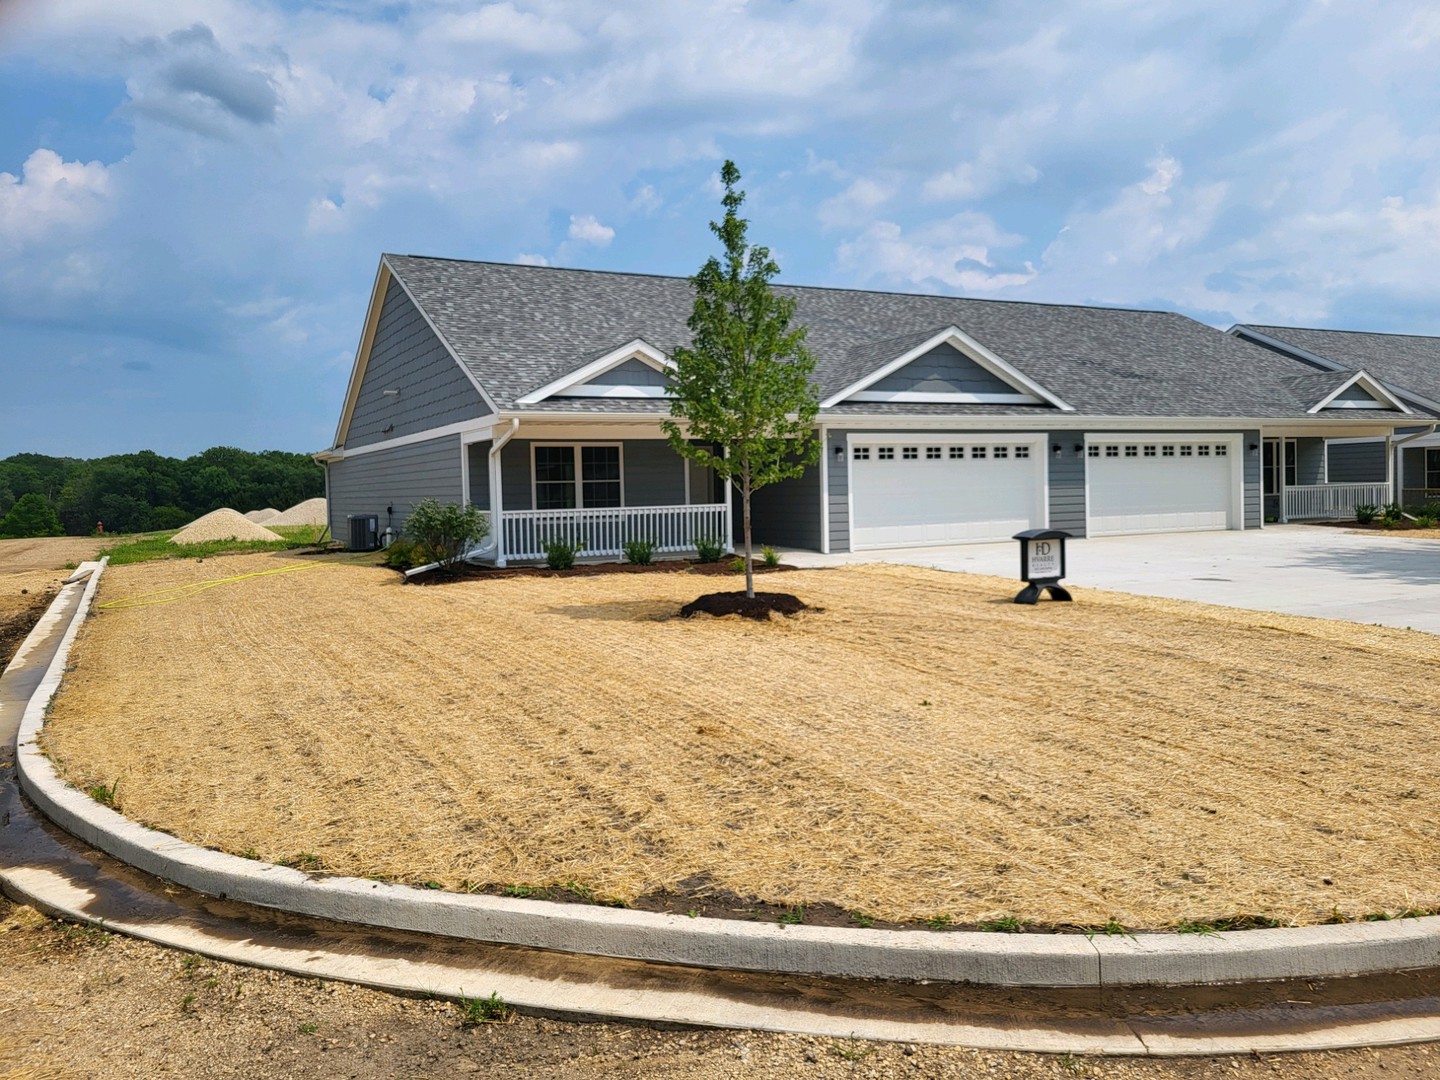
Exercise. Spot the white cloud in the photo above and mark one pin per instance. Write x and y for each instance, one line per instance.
(51, 195)
(954, 253)
(647, 200)
(527, 259)
(501, 26)
(325, 216)
(856, 205)
(589, 231)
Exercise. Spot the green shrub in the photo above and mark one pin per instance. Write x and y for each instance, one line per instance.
(1424, 521)
(32, 515)
(402, 554)
(444, 532)
(560, 554)
(709, 549)
(1365, 513)
(1391, 514)
(640, 552)
(1431, 509)
(769, 556)
(737, 565)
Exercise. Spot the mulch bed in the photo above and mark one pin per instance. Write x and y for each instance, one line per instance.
(469, 572)
(760, 606)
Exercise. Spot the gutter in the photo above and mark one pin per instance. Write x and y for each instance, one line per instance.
(473, 553)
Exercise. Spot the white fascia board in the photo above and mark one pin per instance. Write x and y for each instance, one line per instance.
(607, 390)
(956, 398)
(477, 430)
(639, 349)
(489, 402)
(362, 351)
(952, 335)
(1371, 386)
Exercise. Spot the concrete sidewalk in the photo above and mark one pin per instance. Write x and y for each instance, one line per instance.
(1313, 570)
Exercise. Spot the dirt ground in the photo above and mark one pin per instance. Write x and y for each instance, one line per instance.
(920, 750)
(47, 552)
(79, 1003)
(24, 596)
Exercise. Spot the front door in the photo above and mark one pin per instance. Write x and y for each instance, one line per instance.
(1279, 472)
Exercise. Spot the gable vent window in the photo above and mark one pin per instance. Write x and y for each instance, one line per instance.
(1149, 451)
(885, 453)
(932, 453)
(1187, 451)
(1112, 451)
(1221, 450)
(957, 453)
(1132, 451)
(1092, 451)
(862, 453)
(1022, 451)
(1167, 451)
(977, 451)
(910, 453)
(1002, 451)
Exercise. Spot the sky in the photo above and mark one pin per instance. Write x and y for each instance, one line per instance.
(194, 196)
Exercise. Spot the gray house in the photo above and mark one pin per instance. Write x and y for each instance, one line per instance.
(536, 394)
(1408, 365)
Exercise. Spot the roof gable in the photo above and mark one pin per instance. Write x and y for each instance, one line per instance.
(629, 371)
(1359, 391)
(946, 356)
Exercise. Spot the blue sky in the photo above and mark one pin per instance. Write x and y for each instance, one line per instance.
(194, 196)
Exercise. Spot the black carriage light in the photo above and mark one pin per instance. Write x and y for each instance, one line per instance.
(839, 453)
(1042, 564)
(1055, 450)
(1079, 449)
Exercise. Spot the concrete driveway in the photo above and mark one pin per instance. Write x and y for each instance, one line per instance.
(1299, 569)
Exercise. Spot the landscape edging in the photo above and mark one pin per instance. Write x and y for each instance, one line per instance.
(1032, 960)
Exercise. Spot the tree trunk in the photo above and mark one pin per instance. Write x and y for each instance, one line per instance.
(749, 551)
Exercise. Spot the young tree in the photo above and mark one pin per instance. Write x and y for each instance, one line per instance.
(32, 515)
(743, 383)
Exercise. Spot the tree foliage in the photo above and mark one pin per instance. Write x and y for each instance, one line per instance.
(743, 403)
(145, 491)
(32, 515)
(444, 531)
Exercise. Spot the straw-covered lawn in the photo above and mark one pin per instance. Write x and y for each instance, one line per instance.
(923, 747)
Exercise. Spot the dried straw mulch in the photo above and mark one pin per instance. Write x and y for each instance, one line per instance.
(921, 746)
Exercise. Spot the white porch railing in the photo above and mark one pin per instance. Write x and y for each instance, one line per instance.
(605, 532)
(1330, 502)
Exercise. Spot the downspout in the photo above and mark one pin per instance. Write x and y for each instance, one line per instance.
(495, 503)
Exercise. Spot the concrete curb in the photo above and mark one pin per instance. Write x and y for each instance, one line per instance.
(1037, 960)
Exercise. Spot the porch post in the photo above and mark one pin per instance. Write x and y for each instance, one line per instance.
(729, 512)
(1395, 493)
(497, 489)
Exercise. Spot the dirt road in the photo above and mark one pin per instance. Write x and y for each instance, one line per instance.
(46, 552)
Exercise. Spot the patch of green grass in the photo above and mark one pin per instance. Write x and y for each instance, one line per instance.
(491, 1010)
(853, 1050)
(938, 922)
(525, 892)
(306, 860)
(1189, 926)
(793, 916)
(308, 1029)
(1006, 924)
(860, 919)
(151, 546)
(1113, 928)
(187, 1004)
(300, 534)
(106, 794)
(1228, 923)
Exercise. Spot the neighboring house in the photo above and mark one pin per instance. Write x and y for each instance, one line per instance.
(1408, 365)
(536, 394)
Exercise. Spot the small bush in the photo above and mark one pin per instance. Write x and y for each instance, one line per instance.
(444, 532)
(770, 556)
(1365, 513)
(402, 554)
(1431, 509)
(640, 552)
(1424, 521)
(1391, 514)
(709, 549)
(560, 554)
(737, 565)
(491, 1010)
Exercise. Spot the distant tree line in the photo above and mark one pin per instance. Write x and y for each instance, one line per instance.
(141, 492)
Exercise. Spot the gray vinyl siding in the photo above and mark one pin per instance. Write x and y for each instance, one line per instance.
(1357, 463)
(479, 466)
(1309, 462)
(630, 373)
(1355, 393)
(838, 495)
(652, 473)
(943, 370)
(1254, 481)
(398, 478)
(1067, 482)
(407, 356)
(786, 514)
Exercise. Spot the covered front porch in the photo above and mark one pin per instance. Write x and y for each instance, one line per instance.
(1307, 477)
(596, 486)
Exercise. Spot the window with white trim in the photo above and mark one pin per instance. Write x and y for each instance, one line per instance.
(1167, 451)
(932, 453)
(977, 451)
(1187, 451)
(575, 477)
(862, 453)
(1022, 451)
(1132, 451)
(885, 453)
(910, 453)
(957, 453)
(1203, 450)
(1002, 451)
(1112, 451)
(1149, 450)
(1092, 450)
(1221, 450)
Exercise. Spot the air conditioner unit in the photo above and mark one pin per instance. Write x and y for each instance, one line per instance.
(364, 531)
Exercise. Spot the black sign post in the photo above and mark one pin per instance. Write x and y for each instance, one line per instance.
(1042, 564)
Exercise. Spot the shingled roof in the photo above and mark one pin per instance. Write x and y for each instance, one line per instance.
(518, 328)
(1404, 362)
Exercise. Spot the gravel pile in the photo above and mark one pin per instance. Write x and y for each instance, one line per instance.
(222, 524)
(309, 512)
(263, 517)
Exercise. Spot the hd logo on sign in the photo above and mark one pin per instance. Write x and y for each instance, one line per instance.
(1042, 564)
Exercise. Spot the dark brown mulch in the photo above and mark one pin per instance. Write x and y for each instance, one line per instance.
(759, 606)
(467, 572)
(15, 628)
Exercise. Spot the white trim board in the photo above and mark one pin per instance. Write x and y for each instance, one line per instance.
(954, 336)
(470, 431)
(1368, 383)
(572, 383)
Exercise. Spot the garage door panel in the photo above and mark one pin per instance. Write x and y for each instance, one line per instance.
(958, 497)
(1159, 487)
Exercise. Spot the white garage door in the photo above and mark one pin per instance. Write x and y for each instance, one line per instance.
(944, 492)
(1159, 486)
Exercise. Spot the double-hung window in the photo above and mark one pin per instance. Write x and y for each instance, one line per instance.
(577, 477)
